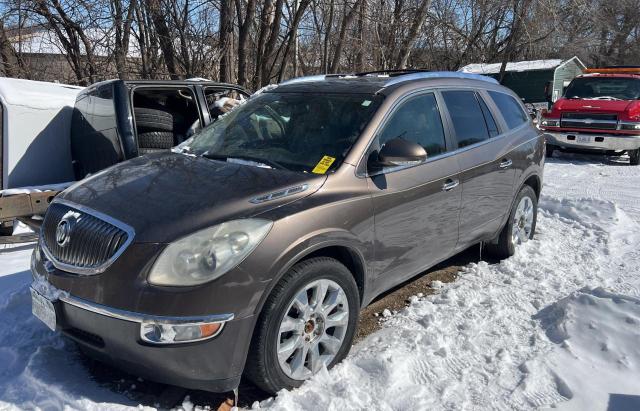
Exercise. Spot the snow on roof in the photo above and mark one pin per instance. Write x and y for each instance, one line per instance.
(37, 94)
(494, 68)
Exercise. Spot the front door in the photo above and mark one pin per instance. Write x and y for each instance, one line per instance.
(416, 208)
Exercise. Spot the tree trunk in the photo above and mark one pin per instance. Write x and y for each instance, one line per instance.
(346, 21)
(409, 41)
(165, 39)
(243, 38)
(226, 42)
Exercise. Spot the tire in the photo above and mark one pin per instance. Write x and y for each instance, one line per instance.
(550, 150)
(634, 157)
(155, 140)
(6, 229)
(263, 366)
(149, 119)
(506, 244)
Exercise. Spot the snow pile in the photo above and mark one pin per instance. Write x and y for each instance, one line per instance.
(598, 332)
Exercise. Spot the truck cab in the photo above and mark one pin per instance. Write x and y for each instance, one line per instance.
(600, 112)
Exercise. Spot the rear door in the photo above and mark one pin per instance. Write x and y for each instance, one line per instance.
(416, 207)
(487, 175)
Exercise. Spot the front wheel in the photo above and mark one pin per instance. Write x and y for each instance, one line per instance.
(520, 226)
(308, 322)
(634, 157)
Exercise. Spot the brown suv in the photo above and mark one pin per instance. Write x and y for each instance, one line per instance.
(252, 247)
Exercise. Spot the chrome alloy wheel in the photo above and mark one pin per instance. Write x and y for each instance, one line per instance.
(522, 221)
(312, 329)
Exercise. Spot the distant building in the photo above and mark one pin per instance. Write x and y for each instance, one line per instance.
(529, 79)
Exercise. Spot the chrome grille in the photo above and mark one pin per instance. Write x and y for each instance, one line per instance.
(590, 120)
(90, 244)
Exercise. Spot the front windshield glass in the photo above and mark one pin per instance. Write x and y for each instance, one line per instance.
(293, 131)
(604, 88)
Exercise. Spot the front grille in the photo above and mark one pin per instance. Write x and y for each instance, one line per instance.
(590, 121)
(90, 243)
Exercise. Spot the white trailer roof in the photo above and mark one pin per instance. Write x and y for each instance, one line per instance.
(37, 94)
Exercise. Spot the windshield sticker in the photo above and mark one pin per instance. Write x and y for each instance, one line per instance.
(323, 165)
(366, 103)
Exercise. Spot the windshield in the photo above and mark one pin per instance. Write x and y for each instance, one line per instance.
(293, 131)
(604, 88)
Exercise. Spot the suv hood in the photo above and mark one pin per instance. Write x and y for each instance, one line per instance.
(167, 196)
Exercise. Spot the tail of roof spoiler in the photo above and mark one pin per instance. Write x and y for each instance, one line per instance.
(399, 78)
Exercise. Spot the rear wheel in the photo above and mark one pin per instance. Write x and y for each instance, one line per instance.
(521, 224)
(634, 157)
(308, 322)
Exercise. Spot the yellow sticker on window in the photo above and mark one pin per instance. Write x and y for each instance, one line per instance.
(323, 165)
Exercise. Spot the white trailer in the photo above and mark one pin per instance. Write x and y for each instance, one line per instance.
(35, 155)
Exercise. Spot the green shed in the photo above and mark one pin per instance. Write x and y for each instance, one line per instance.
(528, 79)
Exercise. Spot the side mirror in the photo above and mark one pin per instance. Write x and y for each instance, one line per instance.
(399, 152)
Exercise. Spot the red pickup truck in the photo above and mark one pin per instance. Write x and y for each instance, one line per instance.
(600, 111)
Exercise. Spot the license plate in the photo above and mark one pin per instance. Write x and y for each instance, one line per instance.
(583, 139)
(43, 309)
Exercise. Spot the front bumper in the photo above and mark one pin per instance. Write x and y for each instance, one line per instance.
(113, 336)
(603, 142)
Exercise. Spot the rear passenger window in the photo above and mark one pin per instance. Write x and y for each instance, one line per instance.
(466, 114)
(488, 118)
(417, 120)
(511, 110)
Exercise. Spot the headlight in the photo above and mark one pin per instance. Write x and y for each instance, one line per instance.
(630, 126)
(209, 253)
(550, 122)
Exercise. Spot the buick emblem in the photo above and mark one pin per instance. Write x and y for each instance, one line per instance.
(63, 232)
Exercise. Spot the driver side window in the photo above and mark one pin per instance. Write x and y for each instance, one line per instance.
(417, 120)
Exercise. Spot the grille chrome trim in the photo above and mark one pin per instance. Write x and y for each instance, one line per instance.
(100, 216)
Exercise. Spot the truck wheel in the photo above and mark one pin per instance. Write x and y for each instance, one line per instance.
(155, 140)
(149, 119)
(550, 150)
(308, 322)
(520, 226)
(634, 157)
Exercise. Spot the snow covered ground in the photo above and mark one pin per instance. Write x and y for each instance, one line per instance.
(556, 325)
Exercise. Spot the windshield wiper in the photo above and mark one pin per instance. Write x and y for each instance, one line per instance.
(262, 161)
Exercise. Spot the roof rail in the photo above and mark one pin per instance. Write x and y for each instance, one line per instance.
(397, 72)
(439, 74)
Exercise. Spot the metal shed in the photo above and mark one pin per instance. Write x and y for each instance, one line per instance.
(529, 78)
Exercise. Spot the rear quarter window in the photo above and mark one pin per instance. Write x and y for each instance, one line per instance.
(511, 110)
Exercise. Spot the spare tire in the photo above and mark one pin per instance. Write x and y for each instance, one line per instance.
(155, 140)
(149, 119)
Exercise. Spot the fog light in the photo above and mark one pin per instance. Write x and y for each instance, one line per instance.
(160, 333)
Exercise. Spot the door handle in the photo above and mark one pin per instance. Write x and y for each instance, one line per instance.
(506, 163)
(450, 184)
